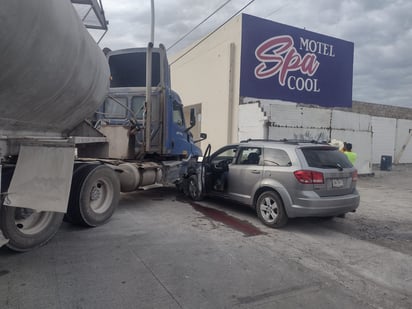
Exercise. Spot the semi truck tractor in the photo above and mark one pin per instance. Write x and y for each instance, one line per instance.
(78, 126)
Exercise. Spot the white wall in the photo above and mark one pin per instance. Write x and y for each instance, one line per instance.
(384, 135)
(252, 120)
(293, 121)
(356, 129)
(403, 148)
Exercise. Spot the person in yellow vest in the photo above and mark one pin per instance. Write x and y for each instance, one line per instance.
(352, 156)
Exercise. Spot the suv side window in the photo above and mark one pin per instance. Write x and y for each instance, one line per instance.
(249, 156)
(276, 157)
(226, 155)
(325, 157)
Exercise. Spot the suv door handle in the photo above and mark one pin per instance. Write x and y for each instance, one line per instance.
(255, 172)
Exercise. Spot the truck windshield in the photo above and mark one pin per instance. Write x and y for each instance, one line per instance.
(129, 69)
(114, 110)
(138, 106)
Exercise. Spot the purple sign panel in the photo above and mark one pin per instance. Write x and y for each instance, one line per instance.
(292, 64)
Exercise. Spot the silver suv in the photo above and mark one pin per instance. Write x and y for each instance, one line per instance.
(282, 179)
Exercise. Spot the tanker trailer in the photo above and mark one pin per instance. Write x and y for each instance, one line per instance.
(53, 76)
(60, 159)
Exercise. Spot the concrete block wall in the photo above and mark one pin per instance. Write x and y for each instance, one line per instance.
(381, 110)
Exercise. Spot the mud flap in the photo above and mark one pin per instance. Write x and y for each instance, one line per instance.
(42, 178)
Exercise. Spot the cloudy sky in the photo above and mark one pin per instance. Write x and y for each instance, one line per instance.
(380, 29)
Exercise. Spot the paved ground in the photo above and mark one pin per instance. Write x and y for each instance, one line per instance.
(161, 251)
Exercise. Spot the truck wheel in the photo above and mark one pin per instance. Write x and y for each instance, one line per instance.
(194, 190)
(27, 229)
(270, 209)
(94, 195)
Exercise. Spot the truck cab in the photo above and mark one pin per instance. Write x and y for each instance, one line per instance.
(126, 111)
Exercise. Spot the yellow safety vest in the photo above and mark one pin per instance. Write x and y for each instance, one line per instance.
(351, 156)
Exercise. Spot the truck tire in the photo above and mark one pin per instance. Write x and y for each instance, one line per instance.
(94, 195)
(27, 229)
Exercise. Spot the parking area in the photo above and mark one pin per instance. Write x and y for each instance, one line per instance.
(161, 250)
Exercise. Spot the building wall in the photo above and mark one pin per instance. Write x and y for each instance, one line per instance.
(297, 121)
(384, 133)
(252, 121)
(208, 74)
(381, 110)
(372, 137)
(403, 144)
(356, 129)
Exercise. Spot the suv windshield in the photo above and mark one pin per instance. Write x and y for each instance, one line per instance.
(325, 158)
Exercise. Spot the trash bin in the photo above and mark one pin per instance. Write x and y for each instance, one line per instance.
(386, 163)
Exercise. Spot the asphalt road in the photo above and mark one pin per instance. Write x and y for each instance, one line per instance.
(163, 251)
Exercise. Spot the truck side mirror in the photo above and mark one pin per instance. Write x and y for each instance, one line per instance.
(192, 117)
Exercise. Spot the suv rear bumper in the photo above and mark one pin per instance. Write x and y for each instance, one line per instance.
(324, 206)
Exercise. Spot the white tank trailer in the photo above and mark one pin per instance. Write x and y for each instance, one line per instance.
(53, 77)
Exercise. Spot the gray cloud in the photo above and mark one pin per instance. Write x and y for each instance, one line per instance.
(380, 29)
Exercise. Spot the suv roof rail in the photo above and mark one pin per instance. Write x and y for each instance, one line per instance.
(285, 140)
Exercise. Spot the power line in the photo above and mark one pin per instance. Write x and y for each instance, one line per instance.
(206, 37)
(198, 25)
(277, 10)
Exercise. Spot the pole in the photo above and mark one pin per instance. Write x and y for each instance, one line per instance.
(152, 22)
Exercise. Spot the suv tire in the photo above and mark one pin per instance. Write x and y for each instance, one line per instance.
(270, 209)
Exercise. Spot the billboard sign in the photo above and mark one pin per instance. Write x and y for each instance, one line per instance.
(292, 64)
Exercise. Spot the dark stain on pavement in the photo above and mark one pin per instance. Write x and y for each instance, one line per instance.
(242, 226)
(288, 291)
(3, 272)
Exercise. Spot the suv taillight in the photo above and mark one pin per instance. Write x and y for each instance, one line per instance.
(355, 176)
(309, 177)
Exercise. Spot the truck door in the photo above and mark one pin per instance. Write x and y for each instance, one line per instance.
(177, 141)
